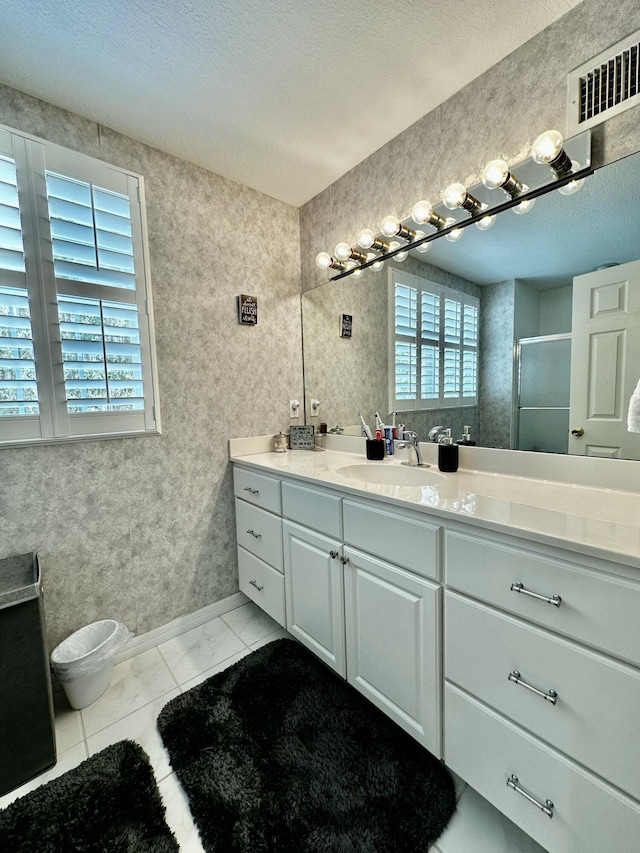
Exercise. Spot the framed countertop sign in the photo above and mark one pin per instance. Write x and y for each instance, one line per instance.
(301, 437)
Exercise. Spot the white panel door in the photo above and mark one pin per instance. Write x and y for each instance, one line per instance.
(393, 643)
(314, 593)
(605, 361)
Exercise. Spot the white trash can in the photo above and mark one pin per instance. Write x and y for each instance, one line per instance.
(83, 663)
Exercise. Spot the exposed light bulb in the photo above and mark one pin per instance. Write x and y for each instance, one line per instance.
(526, 205)
(357, 272)
(421, 212)
(573, 186)
(454, 196)
(548, 149)
(342, 251)
(366, 238)
(495, 174)
(486, 222)
(377, 265)
(401, 256)
(456, 234)
(423, 247)
(323, 260)
(390, 226)
(547, 146)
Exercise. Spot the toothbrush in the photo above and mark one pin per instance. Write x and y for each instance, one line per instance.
(365, 428)
(379, 424)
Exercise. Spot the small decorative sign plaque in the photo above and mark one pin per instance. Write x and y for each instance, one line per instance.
(247, 310)
(301, 437)
(346, 325)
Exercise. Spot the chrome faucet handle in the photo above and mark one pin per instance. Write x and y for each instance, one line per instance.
(433, 433)
(410, 436)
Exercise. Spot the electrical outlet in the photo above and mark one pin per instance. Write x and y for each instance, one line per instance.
(315, 408)
(294, 409)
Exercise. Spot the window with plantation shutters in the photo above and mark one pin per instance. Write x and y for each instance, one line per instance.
(434, 343)
(76, 332)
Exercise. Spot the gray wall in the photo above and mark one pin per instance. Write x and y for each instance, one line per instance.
(142, 529)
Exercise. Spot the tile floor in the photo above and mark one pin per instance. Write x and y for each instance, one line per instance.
(142, 686)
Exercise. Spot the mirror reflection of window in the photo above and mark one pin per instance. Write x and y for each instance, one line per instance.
(434, 342)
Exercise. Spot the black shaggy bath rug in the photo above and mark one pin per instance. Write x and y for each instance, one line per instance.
(279, 755)
(108, 803)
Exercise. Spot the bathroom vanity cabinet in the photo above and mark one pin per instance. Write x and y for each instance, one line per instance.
(515, 660)
(374, 621)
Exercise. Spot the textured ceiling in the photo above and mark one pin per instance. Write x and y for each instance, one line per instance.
(284, 96)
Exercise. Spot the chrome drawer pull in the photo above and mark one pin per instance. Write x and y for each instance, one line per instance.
(254, 534)
(546, 807)
(518, 587)
(344, 560)
(333, 554)
(253, 491)
(549, 696)
(255, 583)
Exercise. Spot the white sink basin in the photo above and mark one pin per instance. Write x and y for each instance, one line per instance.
(381, 474)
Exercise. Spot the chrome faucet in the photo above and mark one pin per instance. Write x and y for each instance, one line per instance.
(411, 441)
(434, 433)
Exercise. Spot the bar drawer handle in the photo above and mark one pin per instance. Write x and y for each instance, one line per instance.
(254, 534)
(255, 583)
(519, 587)
(253, 491)
(549, 696)
(546, 807)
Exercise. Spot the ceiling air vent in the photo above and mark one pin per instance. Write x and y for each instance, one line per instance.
(604, 86)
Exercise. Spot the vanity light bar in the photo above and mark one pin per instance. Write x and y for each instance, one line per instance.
(548, 149)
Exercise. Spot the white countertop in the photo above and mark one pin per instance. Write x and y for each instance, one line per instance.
(598, 521)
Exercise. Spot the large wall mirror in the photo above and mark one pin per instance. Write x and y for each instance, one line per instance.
(559, 292)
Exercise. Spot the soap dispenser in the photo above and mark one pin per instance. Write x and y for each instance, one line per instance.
(466, 438)
(447, 453)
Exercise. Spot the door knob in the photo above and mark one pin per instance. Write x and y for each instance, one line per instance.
(577, 432)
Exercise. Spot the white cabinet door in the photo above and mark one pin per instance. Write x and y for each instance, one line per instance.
(314, 593)
(393, 643)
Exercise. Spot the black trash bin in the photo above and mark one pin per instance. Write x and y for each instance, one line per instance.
(27, 736)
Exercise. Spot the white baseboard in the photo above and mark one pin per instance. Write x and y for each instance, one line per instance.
(180, 626)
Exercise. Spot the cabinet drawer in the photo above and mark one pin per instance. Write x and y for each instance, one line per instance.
(595, 694)
(315, 509)
(259, 532)
(262, 584)
(404, 539)
(486, 750)
(598, 609)
(257, 489)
